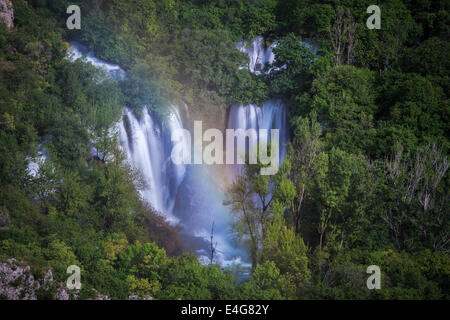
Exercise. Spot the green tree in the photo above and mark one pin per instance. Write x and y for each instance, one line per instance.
(308, 162)
(286, 249)
(266, 283)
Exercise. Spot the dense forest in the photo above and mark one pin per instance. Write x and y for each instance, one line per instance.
(365, 180)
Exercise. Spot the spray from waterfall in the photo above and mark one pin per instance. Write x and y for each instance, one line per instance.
(189, 194)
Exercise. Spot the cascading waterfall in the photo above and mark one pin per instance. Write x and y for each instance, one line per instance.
(148, 146)
(257, 53)
(77, 51)
(147, 143)
(272, 115)
(189, 195)
(184, 194)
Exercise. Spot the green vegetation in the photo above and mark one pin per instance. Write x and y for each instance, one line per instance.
(366, 176)
(365, 180)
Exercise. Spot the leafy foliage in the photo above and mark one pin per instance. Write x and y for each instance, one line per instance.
(365, 180)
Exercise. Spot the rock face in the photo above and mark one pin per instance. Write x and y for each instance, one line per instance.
(17, 283)
(7, 13)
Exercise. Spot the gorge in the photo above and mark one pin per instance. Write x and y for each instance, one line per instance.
(192, 195)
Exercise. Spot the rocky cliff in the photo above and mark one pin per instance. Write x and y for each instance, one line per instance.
(18, 283)
(7, 13)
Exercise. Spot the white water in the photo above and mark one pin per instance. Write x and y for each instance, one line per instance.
(185, 195)
(272, 115)
(77, 51)
(257, 53)
(34, 163)
(188, 194)
(147, 145)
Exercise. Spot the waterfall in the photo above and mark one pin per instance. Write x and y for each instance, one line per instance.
(34, 163)
(272, 115)
(148, 146)
(183, 194)
(146, 142)
(77, 51)
(190, 195)
(257, 53)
